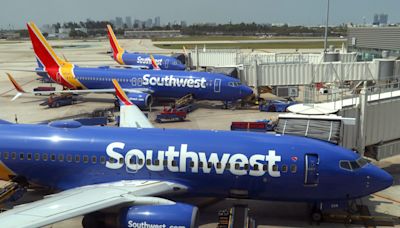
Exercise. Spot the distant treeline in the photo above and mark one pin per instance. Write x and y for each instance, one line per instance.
(98, 28)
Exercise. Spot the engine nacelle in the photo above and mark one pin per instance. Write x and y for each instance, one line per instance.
(142, 100)
(177, 215)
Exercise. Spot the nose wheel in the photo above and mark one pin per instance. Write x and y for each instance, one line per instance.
(316, 215)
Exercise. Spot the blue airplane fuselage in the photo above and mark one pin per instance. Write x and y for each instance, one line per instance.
(163, 61)
(209, 163)
(172, 84)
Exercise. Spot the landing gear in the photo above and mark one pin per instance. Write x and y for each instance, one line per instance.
(316, 214)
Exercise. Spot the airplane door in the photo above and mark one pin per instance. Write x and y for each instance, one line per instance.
(311, 170)
(217, 85)
(166, 63)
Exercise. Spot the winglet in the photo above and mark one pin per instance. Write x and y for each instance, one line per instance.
(184, 51)
(117, 50)
(119, 92)
(15, 83)
(154, 63)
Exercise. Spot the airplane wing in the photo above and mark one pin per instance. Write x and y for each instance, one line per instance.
(87, 199)
(75, 91)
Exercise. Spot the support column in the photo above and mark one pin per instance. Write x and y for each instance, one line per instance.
(361, 122)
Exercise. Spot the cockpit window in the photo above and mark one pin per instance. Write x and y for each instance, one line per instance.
(353, 165)
(234, 84)
(362, 161)
(345, 165)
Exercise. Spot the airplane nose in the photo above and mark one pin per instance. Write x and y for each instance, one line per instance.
(380, 179)
(246, 91)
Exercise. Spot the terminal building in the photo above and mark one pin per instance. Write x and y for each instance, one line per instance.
(374, 42)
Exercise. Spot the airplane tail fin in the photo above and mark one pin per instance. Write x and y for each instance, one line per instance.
(154, 63)
(44, 52)
(17, 87)
(117, 50)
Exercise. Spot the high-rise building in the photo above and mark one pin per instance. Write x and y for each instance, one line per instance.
(383, 19)
(157, 21)
(376, 19)
(149, 23)
(128, 21)
(118, 22)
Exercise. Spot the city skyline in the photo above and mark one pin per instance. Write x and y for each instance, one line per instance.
(305, 12)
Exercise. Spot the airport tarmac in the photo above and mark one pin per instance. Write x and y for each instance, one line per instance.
(209, 115)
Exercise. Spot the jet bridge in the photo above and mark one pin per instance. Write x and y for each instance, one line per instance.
(366, 122)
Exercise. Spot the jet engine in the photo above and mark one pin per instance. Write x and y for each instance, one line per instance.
(177, 215)
(142, 100)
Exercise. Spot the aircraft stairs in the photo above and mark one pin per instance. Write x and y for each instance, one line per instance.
(184, 101)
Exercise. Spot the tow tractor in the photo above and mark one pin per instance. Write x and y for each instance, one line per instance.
(55, 101)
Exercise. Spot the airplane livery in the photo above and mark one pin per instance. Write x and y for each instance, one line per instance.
(140, 59)
(125, 165)
(140, 85)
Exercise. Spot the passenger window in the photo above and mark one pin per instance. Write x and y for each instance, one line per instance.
(228, 166)
(141, 161)
(44, 157)
(13, 155)
(85, 159)
(255, 167)
(133, 81)
(174, 163)
(77, 158)
(157, 162)
(37, 156)
(265, 167)
(200, 165)
(237, 166)
(246, 166)
(102, 160)
(69, 158)
(293, 168)
(61, 157)
(5, 155)
(218, 165)
(94, 159)
(191, 164)
(165, 162)
(21, 156)
(274, 168)
(148, 162)
(284, 168)
(209, 165)
(29, 156)
(52, 157)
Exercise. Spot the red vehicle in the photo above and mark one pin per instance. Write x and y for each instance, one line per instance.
(171, 114)
(44, 89)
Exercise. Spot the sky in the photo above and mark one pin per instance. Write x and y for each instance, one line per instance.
(294, 12)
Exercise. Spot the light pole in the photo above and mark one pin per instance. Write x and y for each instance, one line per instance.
(326, 29)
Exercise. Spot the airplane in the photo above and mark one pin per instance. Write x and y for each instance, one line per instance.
(129, 177)
(140, 59)
(140, 85)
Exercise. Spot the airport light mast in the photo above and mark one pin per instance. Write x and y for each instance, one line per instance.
(326, 28)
